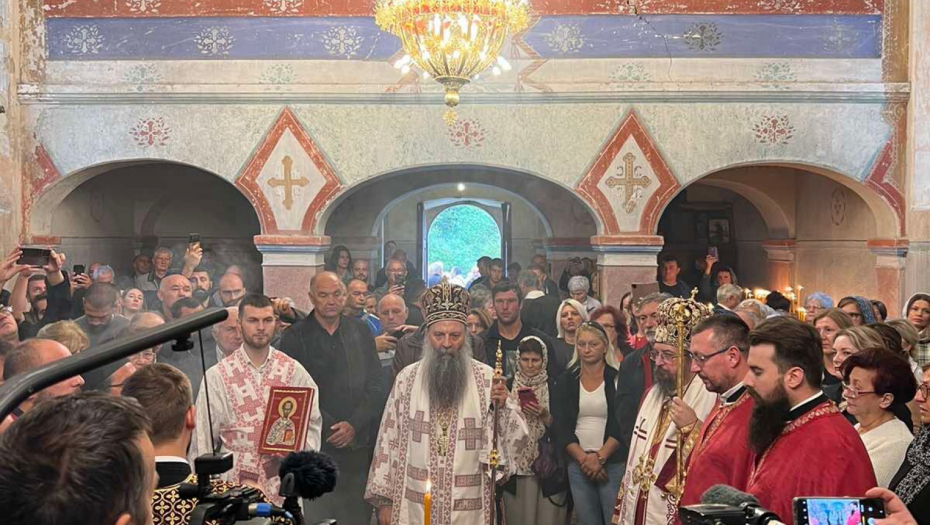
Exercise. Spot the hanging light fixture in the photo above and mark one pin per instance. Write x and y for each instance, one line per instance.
(452, 41)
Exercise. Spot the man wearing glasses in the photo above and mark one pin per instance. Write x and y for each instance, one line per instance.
(650, 493)
(721, 455)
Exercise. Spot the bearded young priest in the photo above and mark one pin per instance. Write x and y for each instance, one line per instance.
(649, 493)
(803, 445)
(437, 427)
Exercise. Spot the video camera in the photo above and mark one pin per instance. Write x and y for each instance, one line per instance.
(724, 505)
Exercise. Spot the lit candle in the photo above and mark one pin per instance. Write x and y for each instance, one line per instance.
(427, 503)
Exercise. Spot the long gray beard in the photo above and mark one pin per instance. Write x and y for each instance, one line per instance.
(446, 375)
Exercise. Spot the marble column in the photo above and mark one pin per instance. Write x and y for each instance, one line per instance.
(623, 261)
(890, 264)
(288, 264)
(782, 263)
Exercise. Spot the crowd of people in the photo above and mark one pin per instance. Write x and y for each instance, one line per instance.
(466, 397)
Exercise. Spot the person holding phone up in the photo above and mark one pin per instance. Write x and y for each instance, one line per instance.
(537, 493)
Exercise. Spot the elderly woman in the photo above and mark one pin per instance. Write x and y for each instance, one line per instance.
(68, 333)
(874, 382)
(912, 481)
(530, 498)
(917, 312)
(909, 339)
(859, 309)
(828, 323)
(587, 428)
(817, 302)
(615, 324)
(568, 317)
(578, 288)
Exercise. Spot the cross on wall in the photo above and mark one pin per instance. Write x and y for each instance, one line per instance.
(631, 184)
(288, 182)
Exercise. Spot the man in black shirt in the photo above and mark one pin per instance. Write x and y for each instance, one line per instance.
(509, 330)
(339, 352)
(670, 267)
(539, 310)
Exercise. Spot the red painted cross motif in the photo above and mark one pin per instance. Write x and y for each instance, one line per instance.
(418, 427)
(471, 434)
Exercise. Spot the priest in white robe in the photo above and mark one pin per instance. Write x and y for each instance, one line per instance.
(436, 433)
(649, 493)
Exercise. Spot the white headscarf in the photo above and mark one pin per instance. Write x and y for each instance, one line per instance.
(540, 385)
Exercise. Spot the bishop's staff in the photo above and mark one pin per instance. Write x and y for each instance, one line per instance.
(494, 458)
(681, 315)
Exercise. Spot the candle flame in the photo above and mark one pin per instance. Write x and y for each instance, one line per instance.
(429, 485)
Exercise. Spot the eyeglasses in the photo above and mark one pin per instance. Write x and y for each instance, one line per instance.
(668, 357)
(855, 392)
(924, 390)
(701, 359)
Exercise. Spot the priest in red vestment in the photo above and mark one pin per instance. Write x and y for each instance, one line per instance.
(803, 444)
(719, 349)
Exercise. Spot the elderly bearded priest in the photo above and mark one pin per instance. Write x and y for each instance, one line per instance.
(437, 426)
(648, 494)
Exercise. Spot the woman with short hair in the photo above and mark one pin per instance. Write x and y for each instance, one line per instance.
(912, 482)
(874, 382)
(828, 323)
(614, 322)
(478, 321)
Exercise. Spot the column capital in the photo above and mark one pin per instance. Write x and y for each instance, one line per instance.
(292, 250)
(628, 250)
(889, 253)
(780, 250)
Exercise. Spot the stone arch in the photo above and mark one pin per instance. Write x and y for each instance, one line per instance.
(889, 224)
(544, 195)
(38, 222)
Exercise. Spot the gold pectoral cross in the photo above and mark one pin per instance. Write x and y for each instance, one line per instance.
(630, 183)
(288, 181)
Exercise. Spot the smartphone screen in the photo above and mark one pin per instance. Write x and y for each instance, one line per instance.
(838, 511)
(34, 257)
(526, 396)
(78, 269)
(712, 251)
(194, 238)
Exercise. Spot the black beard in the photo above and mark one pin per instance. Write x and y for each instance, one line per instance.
(447, 375)
(769, 418)
(666, 383)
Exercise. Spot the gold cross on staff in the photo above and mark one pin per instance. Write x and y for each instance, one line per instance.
(288, 182)
(629, 181)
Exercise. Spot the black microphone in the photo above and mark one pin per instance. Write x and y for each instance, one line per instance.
(306, 475)
(727, 495)
(314, 474)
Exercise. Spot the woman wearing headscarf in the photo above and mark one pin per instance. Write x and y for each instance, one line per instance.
(858, 308)
(537, 493)
(917, 312)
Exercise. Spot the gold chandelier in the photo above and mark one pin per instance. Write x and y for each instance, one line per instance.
(452, 41)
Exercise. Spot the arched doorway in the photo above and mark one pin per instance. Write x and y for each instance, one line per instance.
(117, 213)
(459, 234)
(783, 226)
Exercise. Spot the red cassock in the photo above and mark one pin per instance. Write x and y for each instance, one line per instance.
(722, 454)
(818, 454)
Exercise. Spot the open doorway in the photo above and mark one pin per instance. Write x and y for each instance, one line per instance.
(457, 237)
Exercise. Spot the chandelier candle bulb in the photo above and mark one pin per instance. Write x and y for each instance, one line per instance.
(453, 40)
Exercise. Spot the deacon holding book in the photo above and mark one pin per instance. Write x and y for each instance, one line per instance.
(264, 404)
(431, 462)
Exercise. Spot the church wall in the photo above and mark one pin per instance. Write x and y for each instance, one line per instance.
(750, 229)
(10, 152)
(833, 226)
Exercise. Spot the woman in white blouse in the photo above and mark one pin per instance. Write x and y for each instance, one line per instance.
(874, 381)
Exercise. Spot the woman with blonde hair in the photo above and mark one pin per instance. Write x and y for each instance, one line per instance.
(828, 323)
(568, 318)
(67, 333)
(586, 425)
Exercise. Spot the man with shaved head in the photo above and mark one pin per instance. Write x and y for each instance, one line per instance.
(231, 289)
(172, 289)
(31, 355)
(339, 352)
